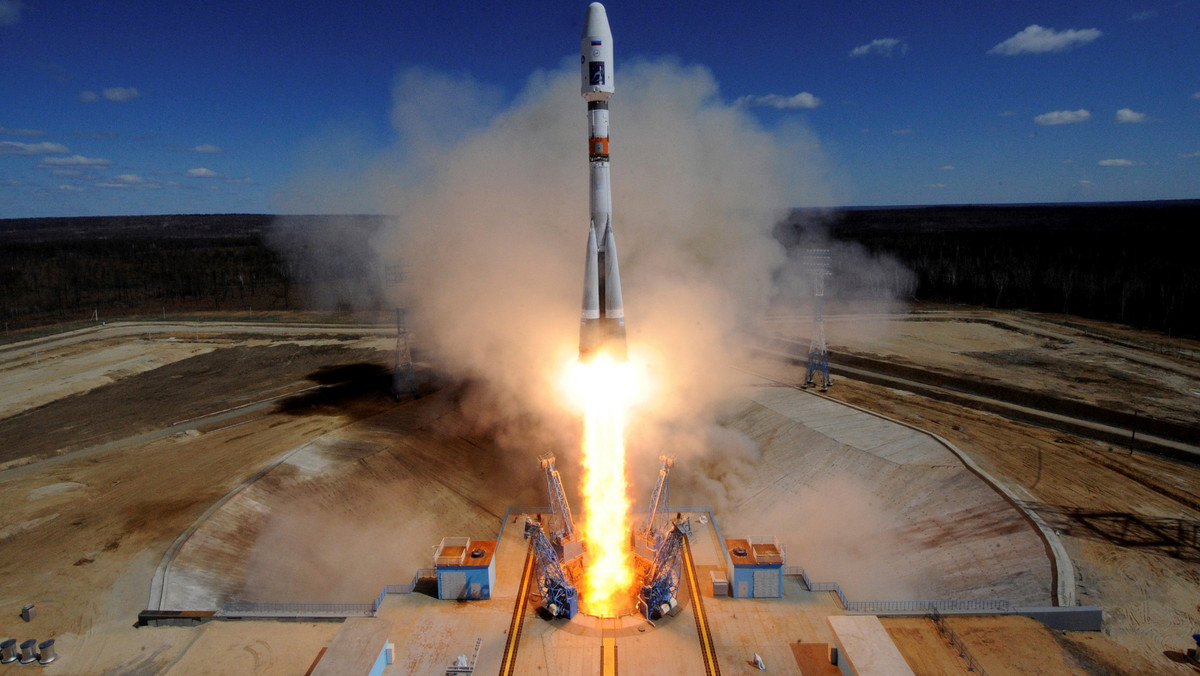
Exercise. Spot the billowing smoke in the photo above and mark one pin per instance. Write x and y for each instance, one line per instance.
(489, 208)
(491, 223)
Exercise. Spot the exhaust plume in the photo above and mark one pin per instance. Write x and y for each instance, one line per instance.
(487, 213)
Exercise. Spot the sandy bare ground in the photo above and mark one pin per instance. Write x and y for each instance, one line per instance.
(352, 511)
(1129, 522)
(100, 483)
(1091, 362)
(83, 531)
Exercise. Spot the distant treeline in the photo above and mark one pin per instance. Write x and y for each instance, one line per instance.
(1128, 263)
(63, 269)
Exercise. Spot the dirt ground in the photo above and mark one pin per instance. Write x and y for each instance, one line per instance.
(83, 526)
(106, 456)
(1131, 523)
(1066, 357)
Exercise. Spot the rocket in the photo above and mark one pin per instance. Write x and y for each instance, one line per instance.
(602, 325)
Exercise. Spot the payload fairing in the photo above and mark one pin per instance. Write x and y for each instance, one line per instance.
(602, 325)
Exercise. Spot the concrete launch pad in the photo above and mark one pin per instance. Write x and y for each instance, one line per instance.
(805, 440)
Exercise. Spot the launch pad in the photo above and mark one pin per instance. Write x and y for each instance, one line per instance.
(352, 497)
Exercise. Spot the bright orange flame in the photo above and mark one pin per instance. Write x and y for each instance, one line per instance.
(604, 389)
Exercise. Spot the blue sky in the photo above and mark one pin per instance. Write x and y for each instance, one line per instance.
(153, 107)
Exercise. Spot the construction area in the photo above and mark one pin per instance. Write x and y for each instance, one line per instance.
(958, 492)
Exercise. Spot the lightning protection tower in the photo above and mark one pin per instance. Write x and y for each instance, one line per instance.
(817, 263)
(404, 379)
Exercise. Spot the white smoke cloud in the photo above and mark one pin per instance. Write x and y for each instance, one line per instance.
(1038, 40)
(488, 213)
(491, 228)
(202, 172)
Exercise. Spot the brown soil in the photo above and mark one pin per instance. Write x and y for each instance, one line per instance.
(82, 530)
(1130, 523)
(182, 391)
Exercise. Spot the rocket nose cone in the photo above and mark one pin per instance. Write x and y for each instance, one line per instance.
(597, 21)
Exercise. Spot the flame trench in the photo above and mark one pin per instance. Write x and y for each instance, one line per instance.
(604, 389)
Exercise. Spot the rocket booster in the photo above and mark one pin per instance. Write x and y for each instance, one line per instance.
(602, 325)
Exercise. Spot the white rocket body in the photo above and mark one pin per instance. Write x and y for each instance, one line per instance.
(602, 324)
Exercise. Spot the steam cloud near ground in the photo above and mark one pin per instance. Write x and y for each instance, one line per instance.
(491, 217)
(490, 223)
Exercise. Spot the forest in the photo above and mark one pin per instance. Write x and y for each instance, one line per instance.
(1127, 263)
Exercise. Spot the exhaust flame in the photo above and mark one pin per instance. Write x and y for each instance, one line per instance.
(604, 389)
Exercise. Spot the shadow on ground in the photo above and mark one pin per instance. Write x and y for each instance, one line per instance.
(1173, 537)
(340, 387)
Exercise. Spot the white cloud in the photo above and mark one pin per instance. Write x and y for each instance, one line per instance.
(121, 94)
(935, 185)
(74, 161)
(44, 148)
(246, 180)
(201, 172)
(1117, 163)
(901, 132)
(1143, 15)
(1063, 117)
(88, 96)
(1127, 115)
(1196, 96)
(206, 148)
(21, 132)
(1007, 113)
(882, 46)
(97, 135)
(1189, 155)
(1038, 40)
(70, 188)
(948, 167)
(801, 100)
(123, 181)
(10, 12)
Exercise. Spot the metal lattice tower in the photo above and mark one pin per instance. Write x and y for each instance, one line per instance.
(562, 527)
(818, 263)
(657, 519)
(661, 585)
(559, 596)
(404, 379)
